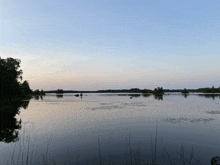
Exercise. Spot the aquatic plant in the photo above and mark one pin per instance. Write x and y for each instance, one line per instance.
(134, 160)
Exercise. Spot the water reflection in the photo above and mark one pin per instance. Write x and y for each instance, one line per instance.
(213, 96)
(126, 109)
(146, 95)
(134, 95)
(59, 96)
(185, 95)
(158, 97)
(9, 125)
(36, 97)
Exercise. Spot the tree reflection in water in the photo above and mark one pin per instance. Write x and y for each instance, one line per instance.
(9, 125)
(59, 96)
(158, 97)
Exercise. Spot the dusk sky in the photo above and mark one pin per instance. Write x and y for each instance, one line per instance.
(113, 44)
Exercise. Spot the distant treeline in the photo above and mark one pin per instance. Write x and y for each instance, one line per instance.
(133, 90)
(209, 90)
(11, 85)
(137, 90)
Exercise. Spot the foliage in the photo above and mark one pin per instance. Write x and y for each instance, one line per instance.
(25, 88)
(10, 74)
(42, 92)
(158, 91)
(134, 90)
(209, 90)
(146, 91)
(59, 91)
(36, 92)
(185, 91)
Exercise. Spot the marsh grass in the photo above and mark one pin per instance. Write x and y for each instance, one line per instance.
(133, 160)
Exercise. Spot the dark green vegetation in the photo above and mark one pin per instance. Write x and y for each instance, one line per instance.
(156, 91)
(10, 74)
(10, 80)
(185, 91)
(209, 90)
(37, 92)
(59, 91)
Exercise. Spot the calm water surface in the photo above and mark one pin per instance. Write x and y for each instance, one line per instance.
(100, 126)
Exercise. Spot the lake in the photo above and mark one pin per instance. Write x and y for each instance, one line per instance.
(115, 127)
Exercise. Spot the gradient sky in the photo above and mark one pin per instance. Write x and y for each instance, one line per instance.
(113, 44)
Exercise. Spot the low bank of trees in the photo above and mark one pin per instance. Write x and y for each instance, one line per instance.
(209, 90)
(158, 91)
(59, 91)
(185, 91)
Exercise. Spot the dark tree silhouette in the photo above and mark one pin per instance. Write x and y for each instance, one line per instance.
(158, 91)
(25, 88)
(59, 91)
(134, 90)
(10, 77)
(185, 91)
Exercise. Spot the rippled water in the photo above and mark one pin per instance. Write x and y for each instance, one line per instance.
(100, 126)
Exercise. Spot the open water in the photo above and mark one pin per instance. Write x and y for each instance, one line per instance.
(112, 127)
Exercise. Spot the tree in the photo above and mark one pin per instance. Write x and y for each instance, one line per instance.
(9, 76)
(36, 92)
(147, 91)
(158, 91)
(25, 88)
(185, 91)
(134, 90)
(59, 91)
(42, 92)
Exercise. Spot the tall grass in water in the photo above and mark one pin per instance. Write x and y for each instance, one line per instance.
(136, 160)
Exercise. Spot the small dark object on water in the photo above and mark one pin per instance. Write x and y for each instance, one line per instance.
(81, 94)
(130, 97)
(77, 95)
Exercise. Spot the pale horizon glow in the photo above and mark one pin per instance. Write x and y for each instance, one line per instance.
(98, 45)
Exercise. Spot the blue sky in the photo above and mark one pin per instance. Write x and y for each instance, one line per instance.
(117, 44)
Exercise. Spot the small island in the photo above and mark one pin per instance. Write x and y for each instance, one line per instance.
(158, 91)
(185, 91)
